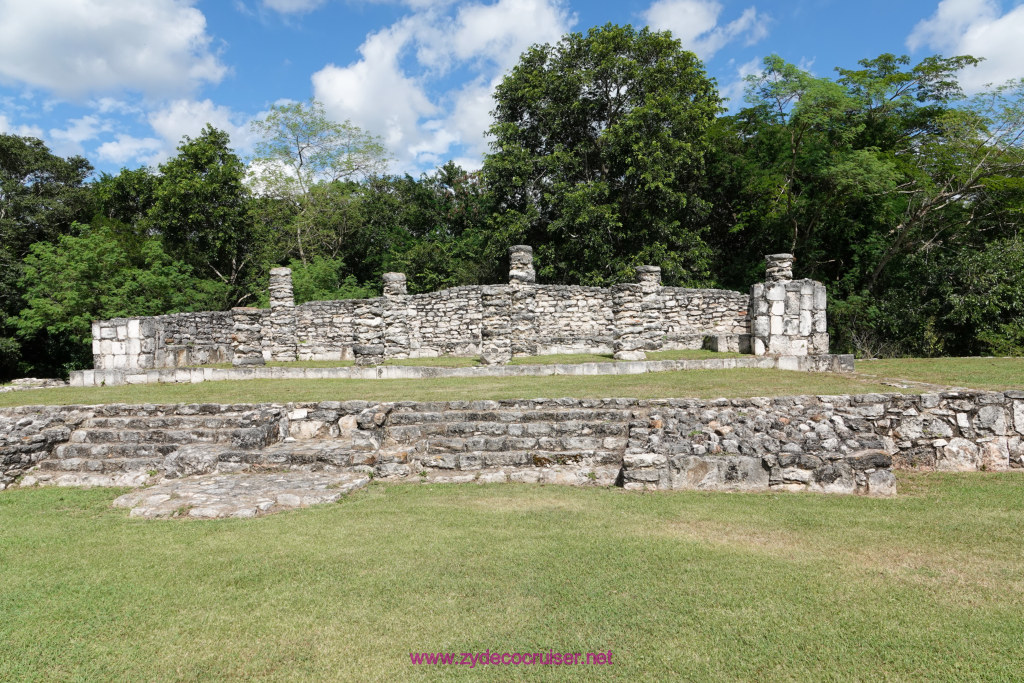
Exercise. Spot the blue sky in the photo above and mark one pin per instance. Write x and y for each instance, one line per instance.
(121, 81)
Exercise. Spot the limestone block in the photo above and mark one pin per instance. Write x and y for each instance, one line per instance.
(776, 292)
(959, 455)
(805, 324)
(775, 326)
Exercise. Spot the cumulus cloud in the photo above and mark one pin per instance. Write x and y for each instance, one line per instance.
(24, 130)
(125, 148)
(695, 23)
(386, 90)
(68, 141)
(75, 48)
(978, 28)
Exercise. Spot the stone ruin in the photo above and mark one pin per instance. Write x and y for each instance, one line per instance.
(779, 317)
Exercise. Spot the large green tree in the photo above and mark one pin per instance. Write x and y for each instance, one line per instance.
(41, 195)
(201, 209)
(308, 162)
(598, 156)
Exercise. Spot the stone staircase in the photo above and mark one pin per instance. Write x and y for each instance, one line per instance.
(131, 450)
(489, 441)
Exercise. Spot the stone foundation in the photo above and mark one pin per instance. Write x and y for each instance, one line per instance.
(827, 444)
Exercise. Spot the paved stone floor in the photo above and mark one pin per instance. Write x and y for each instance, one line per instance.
(239, 495)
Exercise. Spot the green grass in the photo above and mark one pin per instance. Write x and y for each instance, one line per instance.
(467, 362)
(692, 383)
(979, 373)
(679, 586)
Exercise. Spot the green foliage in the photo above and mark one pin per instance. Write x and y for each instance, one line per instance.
(201, 209)
(92, 276)
(598, 155)
(310, 164)
(324, 279)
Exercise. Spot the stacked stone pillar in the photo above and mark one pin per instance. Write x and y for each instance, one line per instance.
(247, 337)
(369, 332)
(522, 280)
(495, 329)
(638, 310)
(283, 343)
(396, 315)
(788, 317)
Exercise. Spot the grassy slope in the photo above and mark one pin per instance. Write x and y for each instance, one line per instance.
(690, 586)
(695, 383)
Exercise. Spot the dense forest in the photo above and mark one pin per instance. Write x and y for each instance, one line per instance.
(610, 149)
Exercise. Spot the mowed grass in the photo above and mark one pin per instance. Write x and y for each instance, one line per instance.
(979, 373)
(679, 586)
(474, 361)
(743, 382)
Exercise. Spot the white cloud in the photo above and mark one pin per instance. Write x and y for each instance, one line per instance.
(695, 23)
(293, 6)
(79, 47)
(735, 90)
(188, 117)
(6, 126)
(68, 141)
(385, 91)
(125, 148)
(975, 27)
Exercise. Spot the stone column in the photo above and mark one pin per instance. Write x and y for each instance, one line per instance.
(788, 317)
(247, 337)
(652, 306)
(627, 304)
(283, 342)
(395, 313)
(495, 329)
(523, 306)
(368, 323)
(520, 265)
(638, 311)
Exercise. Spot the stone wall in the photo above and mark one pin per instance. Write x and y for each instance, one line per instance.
(163, 341)
(782, 316)
(828, 444)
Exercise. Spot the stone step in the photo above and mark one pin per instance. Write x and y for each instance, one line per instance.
(554, 415)
(114, 450)
(151, 436)
(143, 422)
(104, 466)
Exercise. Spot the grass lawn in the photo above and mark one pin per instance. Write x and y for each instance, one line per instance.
(474, 361)
(978, 373)
(692, 383)
(679, 586)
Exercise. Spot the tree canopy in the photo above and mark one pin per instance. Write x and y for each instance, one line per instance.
(598, 156)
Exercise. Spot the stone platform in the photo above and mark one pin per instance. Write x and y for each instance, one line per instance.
(239, 495)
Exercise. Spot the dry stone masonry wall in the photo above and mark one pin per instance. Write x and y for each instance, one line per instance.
(828, 444)
(780, 317)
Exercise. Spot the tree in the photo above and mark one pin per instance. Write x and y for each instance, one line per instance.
(300, 150)
(201, 210)
(94, 275)
(41, 195)
(598, 152)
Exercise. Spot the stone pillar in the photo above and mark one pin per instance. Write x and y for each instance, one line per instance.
(638, 308)
(788, 317)
(395, 313)
(523, 305)
(495, 329)
(247, 337)
(652, 307)
(368, 324)
(520, 265)
(283, 342)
